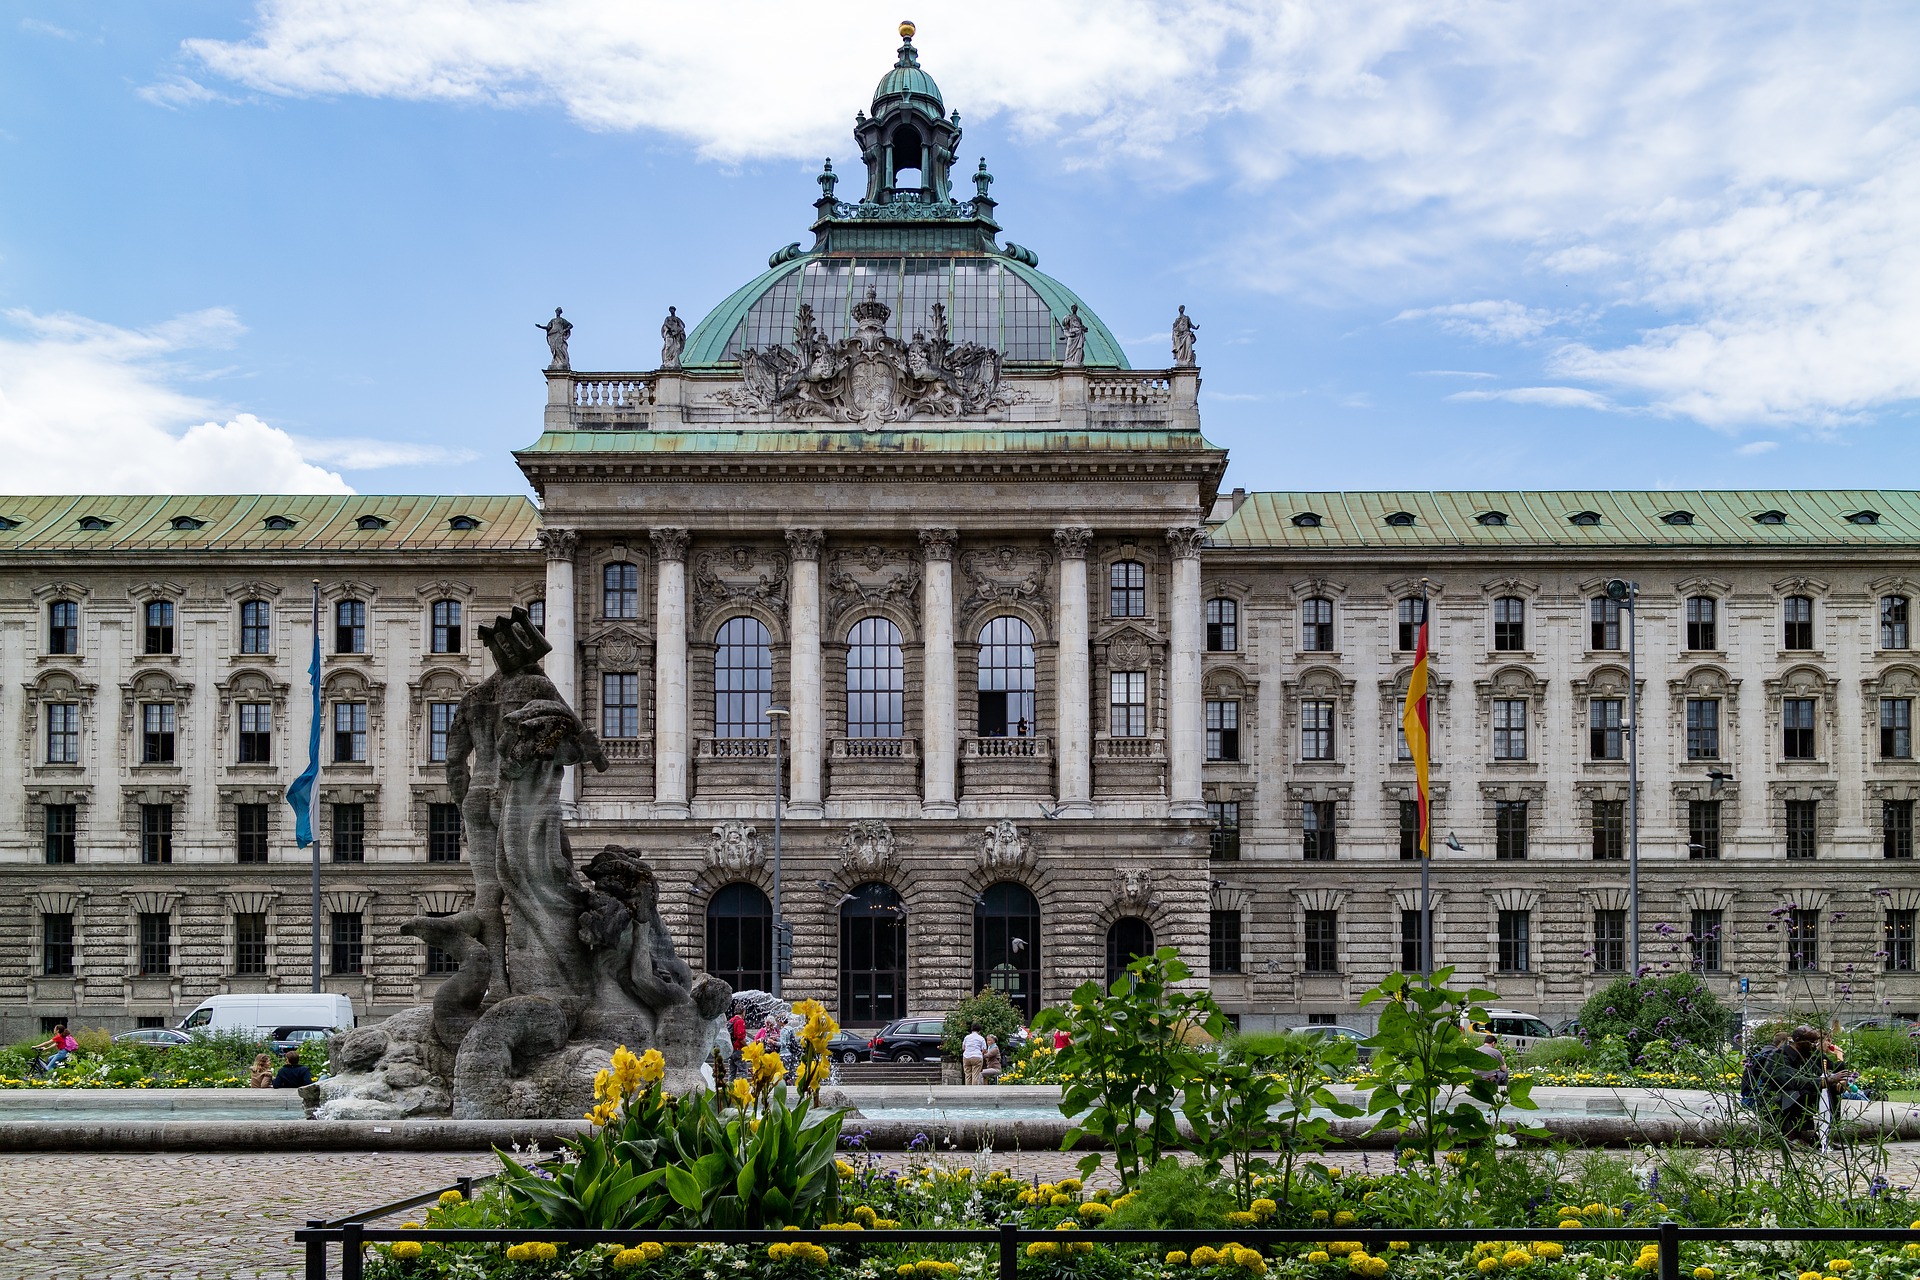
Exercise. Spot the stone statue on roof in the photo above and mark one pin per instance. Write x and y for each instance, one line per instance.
(557, 330)
(673, 339)
(1073, 333)
(1183, 331)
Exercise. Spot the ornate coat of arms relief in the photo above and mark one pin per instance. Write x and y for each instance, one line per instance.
(1004, 848)
(868, 846)
(874, 575)
(739, 575)
(1016, 574)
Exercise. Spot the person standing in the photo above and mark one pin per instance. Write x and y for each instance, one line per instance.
(973, 1055)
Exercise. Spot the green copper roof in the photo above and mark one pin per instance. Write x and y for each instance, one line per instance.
(907, 81)
(909, 439)
(1774, 518)
(230, 522)
(707, 344)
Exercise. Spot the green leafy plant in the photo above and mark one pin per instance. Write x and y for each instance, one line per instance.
(992, 1010)
(1678, 1008)
(1278, 1101)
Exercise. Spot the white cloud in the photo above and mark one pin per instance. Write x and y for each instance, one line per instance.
(176, 92)
(1452, 373)
(1552, 397)
(354, 454)
(1489, 320)
(87, 407)
(1754, 448)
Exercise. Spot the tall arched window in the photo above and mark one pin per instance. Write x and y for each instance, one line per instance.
(740, 937)
(1006, 944)
(620, 590)
(873, 956)
(1006, 679)
(1127, 589)
(742, 679)
(1128, 939)
(876, 685)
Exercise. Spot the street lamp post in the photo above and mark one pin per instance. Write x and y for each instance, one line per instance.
(1627, 595)
(777, 719)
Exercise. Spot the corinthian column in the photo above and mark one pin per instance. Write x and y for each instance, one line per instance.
(1185, 732)
(809, 747)
(1076, 737)
(670, 673)
(940, 743)
(560, 545)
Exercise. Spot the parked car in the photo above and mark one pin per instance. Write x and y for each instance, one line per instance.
(155, 1037)
(908, 1040)
(285, 1038)
(1328, 1032)
(1568, 1027)
(849, 1046)
(1517, 1031)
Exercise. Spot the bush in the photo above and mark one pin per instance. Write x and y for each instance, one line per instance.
(1884, 1047)
(1262, 1046)
(1676, 1008)
(995, 1014)
(1172, 1196)
(1557, 1054)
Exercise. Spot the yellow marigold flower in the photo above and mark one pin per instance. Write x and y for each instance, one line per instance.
(1550, 1249)
(1341, 1248)
(887, 1224)
(1069, 1185)
(410, 1226)
(1319, 1257)
(1068, 1225)
(652, 1250)
(627, 1259)
(904, 1269)
(1595, 1210)
(1094, 1210)
(1840, 1265)
(1515, 1258)
(1241, 1218)
(779, 1251)
(516, 1253)
(1121, 1202)
(406, 1249)
(1344, 1218)
(1040, 1249)
(452, 1197)
(1177, 1258)
(1248, 1260)
(1059, 1199)
(1265, 1208)
(1912, 1251)
(864, 1215)
(1703, 1273)
(1319, 1215)
(816, 1254)
(1206, 1255)
(1809, 1275)
(1487, 1266)
(1570, 1224)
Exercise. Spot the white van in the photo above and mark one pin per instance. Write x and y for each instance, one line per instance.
(262, 1014)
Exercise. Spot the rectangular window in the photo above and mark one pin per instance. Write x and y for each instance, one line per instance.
(439, 725)
(56, 944)
(61, 825)
(63, 627)
(1410, 941)
(620, 590)
(1224, 839)
(1609, 830)
(1703, 830)
(1509, 728)
(1704, 930)
(63, 733)
(350, 626)
(1316, 625)
(1411, 613)
(250, 944)
(349, 945)
(1316, 730)
(1796, 623)
(1317, 819)
(440, 963)
(1896, 828)
(159, 629)
(1223, 942)
(1223, 730)
(1893, 622)
(1703, 728)
(156, 732)
(1509, 624)
(1322, 953)
(446, 626)
(1606, 739)
(537, 615)
(1803, 941)
(1127, 704)
(1127, 596)
(1605, 630)
(1899, 940)
(443, 833)
(1896, 728)
(1409, 830)
(156, 833)
(349, 733)
(1702, 629)
(156, 942)
(1510, 830)
(256, 627)
(1796, 722)
(349, 833)
(1610, 940)
(1803, 829)
(619, 704)
(1514, 928)
(1223, 625)
(256, 733)
(250, 830)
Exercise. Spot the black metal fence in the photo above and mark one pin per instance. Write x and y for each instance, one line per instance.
(352, 1235)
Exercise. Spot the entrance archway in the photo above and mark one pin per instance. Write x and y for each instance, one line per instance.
(873, 956)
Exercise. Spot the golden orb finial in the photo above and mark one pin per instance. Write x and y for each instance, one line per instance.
(907, 29)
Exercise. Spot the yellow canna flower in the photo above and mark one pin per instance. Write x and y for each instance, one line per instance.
(653, 1067)
(741, 1092)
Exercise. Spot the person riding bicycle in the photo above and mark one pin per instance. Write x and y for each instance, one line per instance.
(63, 1045)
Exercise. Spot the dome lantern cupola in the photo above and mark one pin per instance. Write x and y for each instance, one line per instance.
(907, 140)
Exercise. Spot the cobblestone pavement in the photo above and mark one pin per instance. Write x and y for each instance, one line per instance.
(232, 1217)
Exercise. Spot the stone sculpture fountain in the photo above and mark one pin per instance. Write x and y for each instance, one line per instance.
(558, 964)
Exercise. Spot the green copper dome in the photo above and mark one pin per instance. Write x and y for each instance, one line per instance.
(905, 79)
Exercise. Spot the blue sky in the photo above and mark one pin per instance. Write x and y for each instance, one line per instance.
(300, 245)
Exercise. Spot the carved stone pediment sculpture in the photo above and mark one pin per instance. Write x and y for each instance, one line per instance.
(739, 575)
(874, 575)
(1004, 848)
(868, 846)
(1008, 574)
(870, 376)
(1135, 890)
(735, 847)
(619, 651)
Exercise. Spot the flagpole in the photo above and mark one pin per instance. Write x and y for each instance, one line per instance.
(1426, 803)
(313, 794)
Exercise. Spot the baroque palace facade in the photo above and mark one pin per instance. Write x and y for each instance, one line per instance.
(1046, 697)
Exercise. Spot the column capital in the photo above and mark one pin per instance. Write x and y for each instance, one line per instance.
(938, 543)
(1073, 541)
(1185, 541)
(804, 544)
(559, 544)
(670, 543)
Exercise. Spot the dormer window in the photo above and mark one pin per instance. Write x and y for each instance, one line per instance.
(1864, 517)
(7, 522)
(1678, 517)
(1771, 517)
(93, 524)
(463, 523)
(1402, 519)
(277, 522)
(1494, 518)
(184, 523)
(1307, 520)
(367, 524)
(1585, 519)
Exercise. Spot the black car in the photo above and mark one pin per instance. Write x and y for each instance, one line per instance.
(908, 1040)
(849, 1046)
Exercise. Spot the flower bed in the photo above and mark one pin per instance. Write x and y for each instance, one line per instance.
(218, 1061)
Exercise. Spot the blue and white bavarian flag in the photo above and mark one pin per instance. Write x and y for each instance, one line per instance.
(300, 794)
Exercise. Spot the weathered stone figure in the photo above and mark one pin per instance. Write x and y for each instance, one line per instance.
(673, 339)
(557, 330)
(1073, 333)
(1183, 340)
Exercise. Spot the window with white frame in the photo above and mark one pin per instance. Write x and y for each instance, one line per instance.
(1127, 704)
(1316, 729)
(1510, 728)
